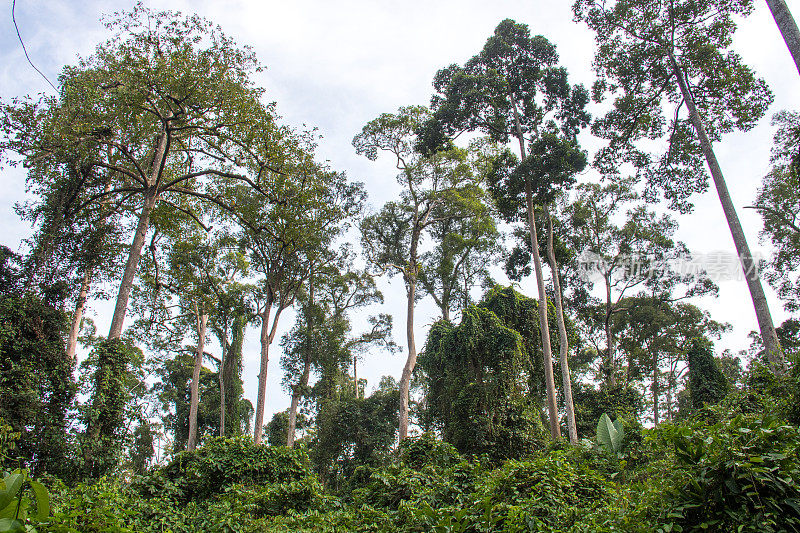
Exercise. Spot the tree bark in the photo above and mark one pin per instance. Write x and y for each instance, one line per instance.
(355, 373)
(655, 389)
(611, 367)
(77, 316)
(298, 390)
(135, 250)
(296, 393)
(267, 335)
(202, 320)
(767, 328)
(134, 255)
(222, 361)
(544, 327)
(788, 27)
(563, 341)
(262, 375)
(405, 378)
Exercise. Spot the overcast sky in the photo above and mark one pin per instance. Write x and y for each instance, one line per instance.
(336, 65)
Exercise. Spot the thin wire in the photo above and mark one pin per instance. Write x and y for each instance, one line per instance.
(13, 5)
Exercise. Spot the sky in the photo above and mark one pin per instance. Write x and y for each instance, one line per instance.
(337, 65)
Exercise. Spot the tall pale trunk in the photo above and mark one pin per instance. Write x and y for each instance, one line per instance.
(267, 336)
(655, 389)
(355, 373)
(296, 393)
(563, 342)
(611, 367)
(411, 361)
(222, 362)
(765, 324)
(194, 400)
(544, 327)
(303, 382)
(135, 250)
(788, 27)
(77, 316)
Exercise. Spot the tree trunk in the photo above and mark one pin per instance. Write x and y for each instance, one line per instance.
(655, 389)
(788, 27)
(77, 316)
(355, 373)
(405, 378)
(767, 328)
(296, 393)
(135, 251)
(267, 336)
(611, 367)
(134, 254)
(544, 327)
(262, 375)
(563, 342)
(298, 390)
(222, 363)
(202, 320)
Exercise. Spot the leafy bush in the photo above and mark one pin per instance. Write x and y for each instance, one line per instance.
(221, 463)
(742, 475)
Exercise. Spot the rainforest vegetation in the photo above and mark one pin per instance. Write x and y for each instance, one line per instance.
(162, 181)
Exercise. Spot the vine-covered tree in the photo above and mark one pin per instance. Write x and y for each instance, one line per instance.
(435, 189)
(514, 89)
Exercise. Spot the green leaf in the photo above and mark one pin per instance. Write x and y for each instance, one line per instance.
(42, 500)
(8, 525)
(606, 433)
(13, 482)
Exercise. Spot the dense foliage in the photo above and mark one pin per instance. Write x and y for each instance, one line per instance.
(162, 136)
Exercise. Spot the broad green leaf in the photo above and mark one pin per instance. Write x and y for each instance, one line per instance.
(13, 483)
(8, 525)
(616, 436)
(42, 500)
(605, 430)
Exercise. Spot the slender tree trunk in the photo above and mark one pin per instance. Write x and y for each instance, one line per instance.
(655, 389)
(355, 373)
(296, 393)
(611, 368)
(262, 375)
(298, 390)
(77, 316)
(788, 27)
(267, 336)
(135, 251)
(670, 385)
(222, 363)
(405, 378)
(767, 328)
(544, 327)
(134, 254)
(563, 342)
(202, 320)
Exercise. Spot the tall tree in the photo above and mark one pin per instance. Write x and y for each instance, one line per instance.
(179, 285)
(322, 340)
(778, 203)
(639, 253)
(514, 88)
(656, 333)
(657, 59)
(288, 241)
(788, 27)
(434, 188)
(166, 110)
